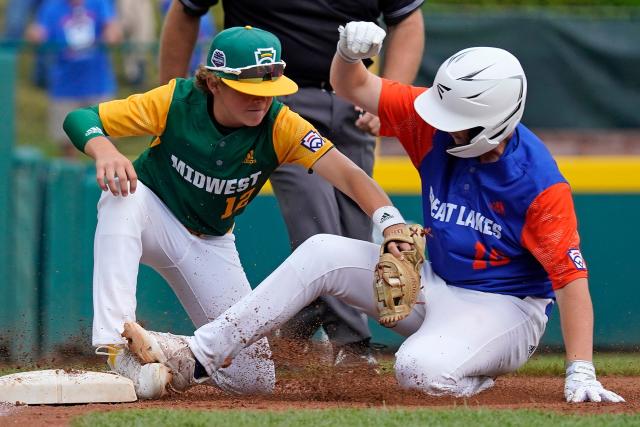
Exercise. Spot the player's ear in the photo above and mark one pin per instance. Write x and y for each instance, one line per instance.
(214, 83)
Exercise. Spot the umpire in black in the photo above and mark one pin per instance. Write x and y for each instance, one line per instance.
(308, 31)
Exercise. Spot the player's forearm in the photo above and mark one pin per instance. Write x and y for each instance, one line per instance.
(576, 317)
(99, 146)
(178, 38)
(355, 83)
(404, 49)
(365, 191)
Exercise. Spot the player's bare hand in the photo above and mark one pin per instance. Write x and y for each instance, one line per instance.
(368, 122)
(114, 172)
(393, 247)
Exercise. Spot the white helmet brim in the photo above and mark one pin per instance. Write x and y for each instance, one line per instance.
(431, 109)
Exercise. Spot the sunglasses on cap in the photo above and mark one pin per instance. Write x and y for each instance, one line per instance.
(260, 72)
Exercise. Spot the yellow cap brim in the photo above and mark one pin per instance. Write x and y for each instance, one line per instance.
(280, 87)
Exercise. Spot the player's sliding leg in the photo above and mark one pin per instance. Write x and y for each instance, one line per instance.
(447, 356)
(324, 264)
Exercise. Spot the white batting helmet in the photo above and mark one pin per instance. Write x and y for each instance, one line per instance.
(477, 87)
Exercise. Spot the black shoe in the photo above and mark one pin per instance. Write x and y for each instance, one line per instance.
(356, 354)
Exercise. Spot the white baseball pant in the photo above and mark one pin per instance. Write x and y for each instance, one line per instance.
(205, 274)
(458, 341)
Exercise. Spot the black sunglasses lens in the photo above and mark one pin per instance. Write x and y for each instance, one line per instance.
(267, 72)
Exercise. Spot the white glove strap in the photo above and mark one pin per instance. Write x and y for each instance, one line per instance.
(386, 216)
(340, 49)
(344, 56)
(582, 369)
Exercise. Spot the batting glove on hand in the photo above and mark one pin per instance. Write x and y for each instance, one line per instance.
(359, 40)
(581, 385)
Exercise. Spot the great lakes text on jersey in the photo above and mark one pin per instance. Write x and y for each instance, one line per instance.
(464, 216)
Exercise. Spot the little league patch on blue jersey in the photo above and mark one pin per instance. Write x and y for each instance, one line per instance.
(576, 258)
(312, 141)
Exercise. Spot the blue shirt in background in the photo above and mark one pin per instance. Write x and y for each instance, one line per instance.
(80, 65)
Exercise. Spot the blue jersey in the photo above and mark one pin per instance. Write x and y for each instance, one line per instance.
(81, 67)
(506, 227)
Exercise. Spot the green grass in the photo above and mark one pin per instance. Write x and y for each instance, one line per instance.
(627, 364)
(605, 363)
(349, 417)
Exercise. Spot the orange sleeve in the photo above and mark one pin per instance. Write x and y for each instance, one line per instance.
(550, 233)
(398, 118)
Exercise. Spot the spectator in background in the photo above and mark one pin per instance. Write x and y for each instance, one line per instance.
(307, 30)
(138, 23)
(80, 72)
(18, 14)
(206, 31)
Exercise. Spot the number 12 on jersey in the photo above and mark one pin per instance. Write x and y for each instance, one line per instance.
(236, 202)
(496, 258)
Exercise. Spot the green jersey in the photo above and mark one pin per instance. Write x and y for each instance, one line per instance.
(204, 177)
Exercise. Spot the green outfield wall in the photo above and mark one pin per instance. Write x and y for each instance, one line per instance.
(46, 295)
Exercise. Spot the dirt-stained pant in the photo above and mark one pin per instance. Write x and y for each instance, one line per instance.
(458, 341)
(310, 205)
(205, 274)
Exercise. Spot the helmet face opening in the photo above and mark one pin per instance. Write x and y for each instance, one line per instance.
(480, 87)
(473, 132)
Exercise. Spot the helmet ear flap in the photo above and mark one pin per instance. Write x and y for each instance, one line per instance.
(479, 145)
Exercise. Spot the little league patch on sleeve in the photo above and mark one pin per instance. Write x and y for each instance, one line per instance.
(312, 141)
(576, 258)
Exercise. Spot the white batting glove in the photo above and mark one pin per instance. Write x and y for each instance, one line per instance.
(359, 40)
(581, 385)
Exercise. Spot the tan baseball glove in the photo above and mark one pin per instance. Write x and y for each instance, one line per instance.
(397, 282)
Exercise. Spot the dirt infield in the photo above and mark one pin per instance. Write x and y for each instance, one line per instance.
(329, 388)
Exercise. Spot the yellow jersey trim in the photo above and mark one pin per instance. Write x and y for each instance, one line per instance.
(290, 135)
(139, 114)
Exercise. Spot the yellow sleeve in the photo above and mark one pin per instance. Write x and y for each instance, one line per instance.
(296, 141)
(139, 114)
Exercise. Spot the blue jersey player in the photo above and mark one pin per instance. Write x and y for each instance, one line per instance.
(500, 227)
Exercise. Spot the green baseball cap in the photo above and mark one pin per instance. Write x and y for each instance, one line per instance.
(248, 60)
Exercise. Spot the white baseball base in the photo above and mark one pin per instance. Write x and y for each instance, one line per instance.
(57, 386)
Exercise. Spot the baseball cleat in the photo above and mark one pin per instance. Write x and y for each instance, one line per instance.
(150, 381)
(356, 355)
(170, 350)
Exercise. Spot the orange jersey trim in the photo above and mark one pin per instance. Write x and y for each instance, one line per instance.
(550, 233)
(399, 118)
